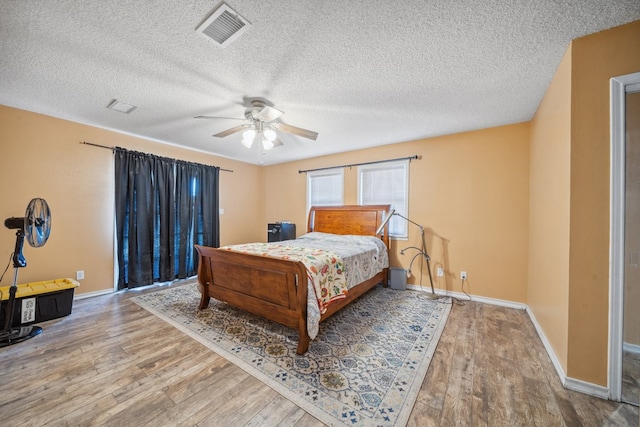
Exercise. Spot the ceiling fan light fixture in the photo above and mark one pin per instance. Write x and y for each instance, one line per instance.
(269, 134)
(259, 127)
(248, 136)
(247, 142)
(266, 144)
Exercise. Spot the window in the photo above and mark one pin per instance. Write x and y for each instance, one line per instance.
(325, 188)
(386, 183)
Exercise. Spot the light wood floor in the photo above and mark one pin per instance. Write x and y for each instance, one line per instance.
(631, 377)
(112, 363)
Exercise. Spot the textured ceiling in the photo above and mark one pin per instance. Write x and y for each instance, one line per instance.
(360, 73)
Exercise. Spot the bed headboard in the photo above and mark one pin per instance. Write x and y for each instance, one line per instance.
(349, 219)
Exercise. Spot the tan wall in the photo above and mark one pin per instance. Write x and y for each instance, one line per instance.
(470, 191)
(42, 157)
(595, 59)
(548, 291)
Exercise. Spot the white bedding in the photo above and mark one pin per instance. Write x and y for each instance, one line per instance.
(363, 257)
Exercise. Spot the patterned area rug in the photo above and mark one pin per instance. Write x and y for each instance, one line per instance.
(365, 367)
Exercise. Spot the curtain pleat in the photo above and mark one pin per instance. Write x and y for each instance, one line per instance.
(210, 208)
(141, 222)
(165, 222)
(184, 216)
(163, 207)
(121, 160)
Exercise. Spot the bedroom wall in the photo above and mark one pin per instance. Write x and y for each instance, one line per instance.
(549, 209)
(42, 157)
(469, 190)
(595, 59)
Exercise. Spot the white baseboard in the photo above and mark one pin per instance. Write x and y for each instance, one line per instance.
(111, 291)
(567, 382)
(462, 296)
(93, 294)
(547, 346)
(586, 388)
(631, 348)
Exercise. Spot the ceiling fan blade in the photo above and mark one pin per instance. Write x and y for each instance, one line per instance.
(214, 117)
(296, 131)
(268, 114)
(232, 130)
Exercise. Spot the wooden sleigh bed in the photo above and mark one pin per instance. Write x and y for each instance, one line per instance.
(276, 289)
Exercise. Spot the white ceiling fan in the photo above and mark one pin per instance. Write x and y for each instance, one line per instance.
(262, 122)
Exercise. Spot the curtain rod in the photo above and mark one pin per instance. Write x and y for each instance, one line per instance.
(114, 148)
(416, 157)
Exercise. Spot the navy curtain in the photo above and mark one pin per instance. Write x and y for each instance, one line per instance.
(163, 207)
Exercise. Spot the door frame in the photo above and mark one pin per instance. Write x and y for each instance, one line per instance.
(620, 86)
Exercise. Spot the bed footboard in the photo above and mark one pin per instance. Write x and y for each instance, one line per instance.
(268, 287)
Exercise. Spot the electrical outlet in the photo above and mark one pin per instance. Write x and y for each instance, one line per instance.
(440, 272)
(79, 274)
(463, 275)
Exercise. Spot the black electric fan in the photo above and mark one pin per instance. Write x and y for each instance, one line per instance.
(35, 226)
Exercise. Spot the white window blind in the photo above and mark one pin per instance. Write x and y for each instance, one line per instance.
(386, 183)
(325, 188)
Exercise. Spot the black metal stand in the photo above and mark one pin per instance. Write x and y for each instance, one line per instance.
(9, 335)
(422, 252)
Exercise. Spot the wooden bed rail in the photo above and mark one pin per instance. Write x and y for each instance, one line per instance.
(272, 288)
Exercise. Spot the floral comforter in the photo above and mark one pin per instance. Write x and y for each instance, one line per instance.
(334, 263)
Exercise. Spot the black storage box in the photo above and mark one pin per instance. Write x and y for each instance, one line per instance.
(279, 231)
(39, 301)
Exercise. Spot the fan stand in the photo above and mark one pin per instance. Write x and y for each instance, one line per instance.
(8, 335)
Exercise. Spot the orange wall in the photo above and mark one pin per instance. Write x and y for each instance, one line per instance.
(595, 59)
(548, 291)
(469, 190)
(42, 157)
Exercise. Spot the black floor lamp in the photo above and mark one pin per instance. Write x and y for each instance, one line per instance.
(422, 251)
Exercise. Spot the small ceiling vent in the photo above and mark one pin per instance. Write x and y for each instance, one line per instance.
(120, 106)
(224, 25)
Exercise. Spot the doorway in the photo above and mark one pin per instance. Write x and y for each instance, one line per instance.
(624, 351)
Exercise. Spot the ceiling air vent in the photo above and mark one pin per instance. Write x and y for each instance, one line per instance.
(120, 106)
(223, 25)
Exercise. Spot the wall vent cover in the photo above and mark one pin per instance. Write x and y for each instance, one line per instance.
(224, 25)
